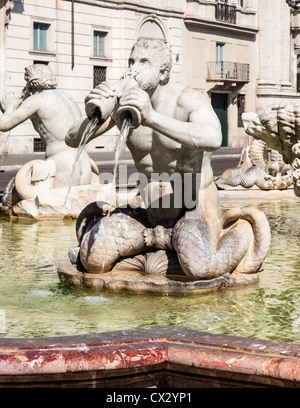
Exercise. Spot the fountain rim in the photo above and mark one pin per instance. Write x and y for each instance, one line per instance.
(126, 352)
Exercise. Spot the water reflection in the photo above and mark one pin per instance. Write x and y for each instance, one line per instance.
(35, 304)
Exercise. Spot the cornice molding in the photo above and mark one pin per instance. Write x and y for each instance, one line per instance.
(192, 19)
(134, 6)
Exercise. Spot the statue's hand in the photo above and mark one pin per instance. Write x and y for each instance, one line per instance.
(102, 91)
(10, 102)
(139, 99)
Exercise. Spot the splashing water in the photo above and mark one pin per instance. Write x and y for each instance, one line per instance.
(120, 146)
(91, 126)
(111, 197)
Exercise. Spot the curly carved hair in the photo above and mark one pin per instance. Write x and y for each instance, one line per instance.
(162, 52)
(41, 76)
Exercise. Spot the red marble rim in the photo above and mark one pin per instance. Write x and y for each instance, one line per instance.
(127, 352)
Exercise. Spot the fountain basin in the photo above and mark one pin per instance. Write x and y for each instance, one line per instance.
(148, 357)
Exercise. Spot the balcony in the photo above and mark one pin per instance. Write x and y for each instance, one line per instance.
(228, 71)
(226, 13)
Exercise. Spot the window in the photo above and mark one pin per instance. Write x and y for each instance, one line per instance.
(241, 108)
(99, 44)
(41, 62)
(40, 31)
(99, 75)
(220, 58)
(38, 145)
(225, 11)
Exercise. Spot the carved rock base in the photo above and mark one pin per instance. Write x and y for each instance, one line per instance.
(137, 282)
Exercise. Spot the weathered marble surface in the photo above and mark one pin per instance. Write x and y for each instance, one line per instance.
(130, 358)
(136, 282)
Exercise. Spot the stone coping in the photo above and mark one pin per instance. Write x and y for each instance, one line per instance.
(256, 193)
(184, 358)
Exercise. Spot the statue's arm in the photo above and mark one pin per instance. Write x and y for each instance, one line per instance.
(202, 130)
(16, 112)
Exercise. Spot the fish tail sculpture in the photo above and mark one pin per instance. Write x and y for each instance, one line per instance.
(241, 247)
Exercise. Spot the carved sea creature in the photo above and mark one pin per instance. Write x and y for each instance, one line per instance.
(264, 168)
(32, 178)
(279, 128)
(124, 239)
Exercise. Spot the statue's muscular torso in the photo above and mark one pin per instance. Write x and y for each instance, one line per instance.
(154, 152)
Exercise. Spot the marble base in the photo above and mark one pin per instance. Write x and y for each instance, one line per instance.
(138, 282)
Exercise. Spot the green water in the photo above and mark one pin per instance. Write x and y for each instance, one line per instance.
(33, 303)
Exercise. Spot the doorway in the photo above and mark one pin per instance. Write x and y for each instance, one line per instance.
(219, 103)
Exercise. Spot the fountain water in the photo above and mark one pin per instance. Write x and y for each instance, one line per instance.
(32, 298)
(126, 125)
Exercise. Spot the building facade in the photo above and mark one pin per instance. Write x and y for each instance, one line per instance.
(242, 53)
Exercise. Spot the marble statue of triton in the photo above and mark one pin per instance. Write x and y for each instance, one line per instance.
(177, 135)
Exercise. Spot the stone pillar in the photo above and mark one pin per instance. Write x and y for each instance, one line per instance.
(249, 5)
(286, 48)
(274, 22)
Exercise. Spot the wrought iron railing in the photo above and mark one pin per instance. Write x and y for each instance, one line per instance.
(228, 71)
(226, 13)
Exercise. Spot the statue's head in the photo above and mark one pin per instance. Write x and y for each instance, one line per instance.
(40, 76)
(158, 53)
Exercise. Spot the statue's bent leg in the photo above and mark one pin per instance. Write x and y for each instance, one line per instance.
(112, 237)
(241, 246)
